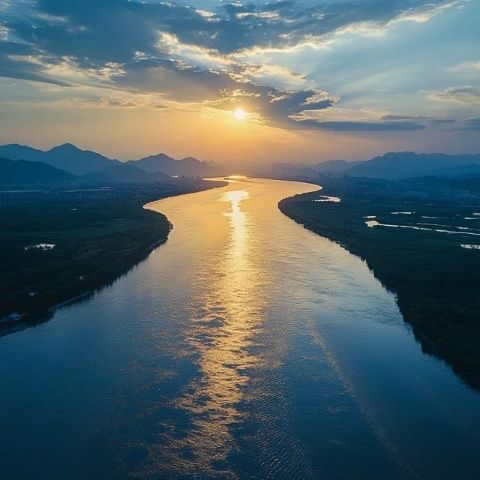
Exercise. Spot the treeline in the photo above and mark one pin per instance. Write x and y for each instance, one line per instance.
(97, 234)
(436, 281)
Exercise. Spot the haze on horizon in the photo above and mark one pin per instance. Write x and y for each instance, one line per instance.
(249, 82)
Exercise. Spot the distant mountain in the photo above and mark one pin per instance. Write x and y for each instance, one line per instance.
(461, 171)
(398, 165)
(14, 151)
(187, 167)
(22, 172)
(334, 166)
(74, 160)
(77, 161)
(301, 170)
(445, 184)
(67, 157)
(125, 173)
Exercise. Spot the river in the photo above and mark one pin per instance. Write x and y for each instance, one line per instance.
(245, 347)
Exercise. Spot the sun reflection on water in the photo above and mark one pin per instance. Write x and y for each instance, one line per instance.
(238, 227)
(225, 322)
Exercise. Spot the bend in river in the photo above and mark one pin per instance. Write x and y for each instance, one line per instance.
(245, 347)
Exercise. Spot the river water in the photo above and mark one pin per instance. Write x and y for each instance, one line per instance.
(245, 347)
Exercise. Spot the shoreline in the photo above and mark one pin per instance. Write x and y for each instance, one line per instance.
(427, 304)
(20, 318)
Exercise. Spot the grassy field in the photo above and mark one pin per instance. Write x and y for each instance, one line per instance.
(97, 236)
(436, 279)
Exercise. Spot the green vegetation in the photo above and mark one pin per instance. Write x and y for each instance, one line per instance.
(98, 234)
(435, 279)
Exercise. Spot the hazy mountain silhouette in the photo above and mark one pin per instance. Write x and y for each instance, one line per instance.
(188, 167)
(391, 166)
(67, 157)
(461, 171)
(125, 173)
(334, 166)
(330, 167)
(398, 165)
(22, 172)
(14, 151)
(74, 160)
(77, 161)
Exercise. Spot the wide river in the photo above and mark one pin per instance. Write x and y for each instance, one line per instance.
(245, 347)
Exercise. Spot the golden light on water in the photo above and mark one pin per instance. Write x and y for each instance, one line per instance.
(236, 177)
(225, 317)
(222, 333)
(238, 224)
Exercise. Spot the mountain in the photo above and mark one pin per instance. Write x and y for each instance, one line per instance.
(74, 160)
(398, 165)
(446, 185)
(334, 166)
(77, 161)
(187, 167)
(125, 173)
(302, 170)
(67, 157)
(22, 172)
(14, 151)
(461, 171)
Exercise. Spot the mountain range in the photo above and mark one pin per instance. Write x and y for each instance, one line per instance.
(186, 167)
(22, 172)
(399, 165)
(67, 163)
(391, 166)
(80, 162)
(67, 157)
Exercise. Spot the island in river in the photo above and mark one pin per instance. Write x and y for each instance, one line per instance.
(60, 244)
(422, 245)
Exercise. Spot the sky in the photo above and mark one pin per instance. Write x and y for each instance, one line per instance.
(242, 82)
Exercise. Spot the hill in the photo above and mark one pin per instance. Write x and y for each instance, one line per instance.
(22, 172)
(76, 161)
(186, 167)
(398, 165)
(125, 173)
(67, 157)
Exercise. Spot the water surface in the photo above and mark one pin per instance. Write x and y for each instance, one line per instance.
(245, 347)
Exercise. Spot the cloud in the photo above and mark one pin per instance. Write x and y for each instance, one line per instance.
(279, 108)
(191, 54)
(418, 118)
(461, 94)
(471, 124)
(471, 68)
(20, 61)
(350, 126)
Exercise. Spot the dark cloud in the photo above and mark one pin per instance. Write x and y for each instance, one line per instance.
(418, 118)
(459, 94)
(471, 125)
(92, 34)
(349, 126)
(114, 29)
(278, 107)
(15, 63)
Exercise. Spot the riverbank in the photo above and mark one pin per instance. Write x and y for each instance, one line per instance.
(60, 246)
(423, 251)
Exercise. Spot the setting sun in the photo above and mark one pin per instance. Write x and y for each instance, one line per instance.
(240, 114)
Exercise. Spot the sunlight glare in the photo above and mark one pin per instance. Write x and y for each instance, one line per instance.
(240, 114)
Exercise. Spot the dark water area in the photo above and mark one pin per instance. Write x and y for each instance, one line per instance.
(244, 347)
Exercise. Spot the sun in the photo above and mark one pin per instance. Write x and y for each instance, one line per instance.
(240, 114)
